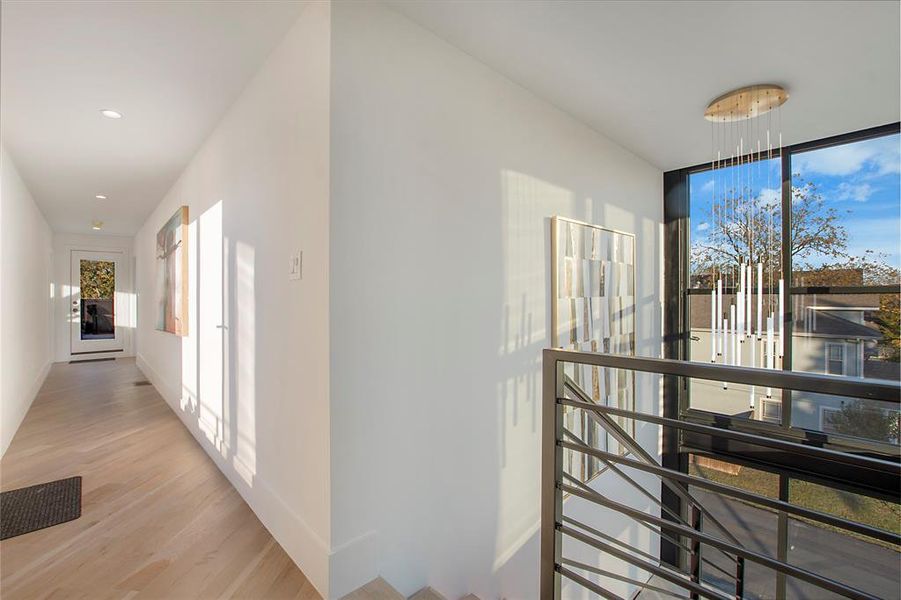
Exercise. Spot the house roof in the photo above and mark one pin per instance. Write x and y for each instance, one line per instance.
(866, 301)
(813, 321)
(826, 323)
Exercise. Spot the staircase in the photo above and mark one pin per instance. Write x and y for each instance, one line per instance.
(379, 589)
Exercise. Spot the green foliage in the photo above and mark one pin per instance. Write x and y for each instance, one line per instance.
(888, 320)
(98, 279)
(860, 420)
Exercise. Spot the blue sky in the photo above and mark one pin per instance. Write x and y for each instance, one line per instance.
(863, 178)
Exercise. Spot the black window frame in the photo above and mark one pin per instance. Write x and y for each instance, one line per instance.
(677, 290)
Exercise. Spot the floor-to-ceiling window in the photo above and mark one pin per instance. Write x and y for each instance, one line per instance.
(836, 225)
(825, 219)
(847, 226)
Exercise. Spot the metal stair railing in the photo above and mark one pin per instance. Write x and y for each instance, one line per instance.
(685, 530)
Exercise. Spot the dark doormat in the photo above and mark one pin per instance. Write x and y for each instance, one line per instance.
(39, 506)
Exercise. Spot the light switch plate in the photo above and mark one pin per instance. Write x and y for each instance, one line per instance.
(295, 270)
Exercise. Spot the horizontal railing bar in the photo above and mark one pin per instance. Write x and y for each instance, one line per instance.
(873, 532)
(762, 559)
(574, 437)
(676, 516)
(623, 437)
(810, 290)
(672, 540)
(641, 489)
(790, 380)
(662, 572)
(741, 436)
(608, 538)
(587, 583)
(613, 540)
(651, 528)
(603, 573)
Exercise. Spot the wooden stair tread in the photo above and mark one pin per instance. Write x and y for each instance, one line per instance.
(377, 589)
(427, 593)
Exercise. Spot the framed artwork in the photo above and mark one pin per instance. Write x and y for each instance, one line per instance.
(593, 310)
(172, 274)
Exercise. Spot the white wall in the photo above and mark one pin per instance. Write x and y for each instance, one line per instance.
(444, 175)
(25, 299)
(63, 245)
(255, 394)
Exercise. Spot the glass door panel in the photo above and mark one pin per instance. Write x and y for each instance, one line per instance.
(98, 299)
(94, 289)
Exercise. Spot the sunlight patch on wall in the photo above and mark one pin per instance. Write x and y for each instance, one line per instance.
(189, 372)
(210, 327)
(526, 205)
(126, 310)
(245, 375)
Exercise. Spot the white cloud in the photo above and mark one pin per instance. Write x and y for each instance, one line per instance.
(887, 160)
(878, 235)
(770, 196)
(708, 186)
(857, 192)
(703, 226)
(881, 154)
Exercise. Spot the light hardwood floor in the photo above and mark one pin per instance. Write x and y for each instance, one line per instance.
(158, 519)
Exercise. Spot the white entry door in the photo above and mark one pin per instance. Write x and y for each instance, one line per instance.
(96, 284)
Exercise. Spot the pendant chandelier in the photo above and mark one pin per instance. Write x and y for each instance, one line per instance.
(746, 269)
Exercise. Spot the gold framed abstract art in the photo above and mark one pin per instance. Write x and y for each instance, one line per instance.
(172, 274)
(593, 310)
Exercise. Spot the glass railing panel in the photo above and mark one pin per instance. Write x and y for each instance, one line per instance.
(755, 527)
(867, 564)
(868, 420)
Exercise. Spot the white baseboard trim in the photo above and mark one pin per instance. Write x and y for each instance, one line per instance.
(308, 551)
(353, 564)
(32, 394)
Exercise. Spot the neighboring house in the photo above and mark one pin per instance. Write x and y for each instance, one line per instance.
(832, 334)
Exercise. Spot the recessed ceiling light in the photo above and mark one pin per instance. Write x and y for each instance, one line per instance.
(112, 114)
(96, 225)
(100, 197)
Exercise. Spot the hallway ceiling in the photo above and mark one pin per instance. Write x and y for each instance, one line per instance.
(171, 68)
(642, 73)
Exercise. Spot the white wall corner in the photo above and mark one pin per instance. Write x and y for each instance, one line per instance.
(32, 394)
(353, 564)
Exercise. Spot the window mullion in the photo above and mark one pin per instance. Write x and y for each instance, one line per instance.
(787, 318)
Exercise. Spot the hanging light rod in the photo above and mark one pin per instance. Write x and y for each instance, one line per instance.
(746, 103)
(743, 220)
